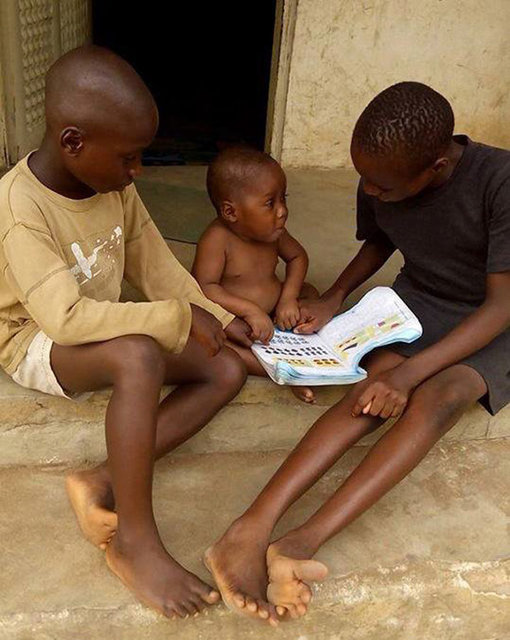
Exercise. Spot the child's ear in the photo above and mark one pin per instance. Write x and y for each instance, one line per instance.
(71, 140)
(439, 164)
(228, 211)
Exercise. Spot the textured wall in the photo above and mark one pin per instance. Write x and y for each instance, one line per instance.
(346, 51)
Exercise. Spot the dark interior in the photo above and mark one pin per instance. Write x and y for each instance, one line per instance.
(207, 64)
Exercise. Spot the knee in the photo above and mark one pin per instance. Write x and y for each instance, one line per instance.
(138, 357)
(438, 406)
(227, 371)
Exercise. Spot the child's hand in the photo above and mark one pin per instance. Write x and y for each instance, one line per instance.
(206, 330)
(287, 313)
(314, 315)
(262, 327)
(238, 331)
(385, 395)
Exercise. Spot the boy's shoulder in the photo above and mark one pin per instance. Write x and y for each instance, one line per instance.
(19, 197)
(490, 165)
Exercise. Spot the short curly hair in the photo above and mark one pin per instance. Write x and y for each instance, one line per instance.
(232, 169)
(409, 121)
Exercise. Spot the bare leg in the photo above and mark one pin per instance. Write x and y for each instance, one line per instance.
(306, 394)
(137, 431)
(254, 368)
(433, 409)
(238, 559)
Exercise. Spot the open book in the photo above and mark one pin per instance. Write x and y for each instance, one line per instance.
(332, 355)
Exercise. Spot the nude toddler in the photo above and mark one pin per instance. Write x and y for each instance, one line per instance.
(238, 253)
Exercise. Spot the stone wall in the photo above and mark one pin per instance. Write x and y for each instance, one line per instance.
(346, 51)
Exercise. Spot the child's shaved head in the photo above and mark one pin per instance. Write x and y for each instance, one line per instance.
(232, 170)
(99, 118)
(92, 88)
(408, 121)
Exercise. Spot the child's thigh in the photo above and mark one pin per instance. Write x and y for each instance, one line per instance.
(94, 366)
(381, 360)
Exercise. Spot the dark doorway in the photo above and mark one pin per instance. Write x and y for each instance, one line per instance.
(207, 64)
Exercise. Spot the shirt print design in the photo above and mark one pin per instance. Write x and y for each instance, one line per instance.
(88, 267)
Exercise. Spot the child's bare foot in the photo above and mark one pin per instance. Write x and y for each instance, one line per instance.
(288, 573)
(238, 564)
(157, 580)
(91, 497)
(305, 394)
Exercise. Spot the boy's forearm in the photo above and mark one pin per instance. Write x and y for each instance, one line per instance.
(369, 259)
(295, 277)
(241, 307)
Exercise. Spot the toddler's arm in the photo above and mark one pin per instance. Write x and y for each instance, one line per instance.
(296, 259)
(208, 269)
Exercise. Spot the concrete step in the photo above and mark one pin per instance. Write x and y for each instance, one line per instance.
(429, 561)
(39, 429)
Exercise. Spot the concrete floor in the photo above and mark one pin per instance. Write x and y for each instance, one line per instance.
(429, 562)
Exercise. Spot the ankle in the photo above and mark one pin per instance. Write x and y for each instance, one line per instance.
(295, 544)
(251, 526)
(137, 539)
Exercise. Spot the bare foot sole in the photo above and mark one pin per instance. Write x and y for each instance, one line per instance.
(288, 589)
(158, 581)
(90, 496)
(305, 394)
(231, 563)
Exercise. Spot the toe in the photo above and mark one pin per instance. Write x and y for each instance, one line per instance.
(273, 616)
(180, 610)
(251, 604)
(210, 596)
(305, 594)
(262, 609)
(239, 600)
(311, 570)
(190, 607)
(199, 603)
(301, 609)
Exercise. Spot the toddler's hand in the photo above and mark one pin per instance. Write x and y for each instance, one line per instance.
(314, 315)
(238, 331)
(206, 330)
(385, 395)
(287, 313)
(262, 327)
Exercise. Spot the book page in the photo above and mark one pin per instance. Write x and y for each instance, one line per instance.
(380, 317)
(298, 351)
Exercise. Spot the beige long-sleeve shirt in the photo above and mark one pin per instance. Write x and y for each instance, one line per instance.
(62, 262)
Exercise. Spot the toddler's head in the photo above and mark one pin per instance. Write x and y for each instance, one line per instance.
(99, 117)
(400, 140)
(248, 190)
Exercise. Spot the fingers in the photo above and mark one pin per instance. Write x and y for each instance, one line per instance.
(244, 340)
(306, 327)
(262, 329)
(364, 403)
(379, 400)
(287, 321)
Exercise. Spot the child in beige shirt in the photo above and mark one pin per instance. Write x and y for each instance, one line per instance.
(72, 226)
